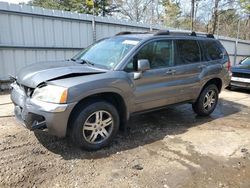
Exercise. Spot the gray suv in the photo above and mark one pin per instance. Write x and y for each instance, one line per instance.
(92, 95)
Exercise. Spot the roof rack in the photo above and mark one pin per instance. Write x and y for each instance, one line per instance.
(129, 33)
(167, 32)
(162, 32)
(193, 34)
(209, 35)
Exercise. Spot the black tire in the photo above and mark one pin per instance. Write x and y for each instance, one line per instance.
(229, 87)
(83, 115)
(199, 106)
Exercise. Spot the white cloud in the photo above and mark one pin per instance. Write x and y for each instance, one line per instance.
(15, 1)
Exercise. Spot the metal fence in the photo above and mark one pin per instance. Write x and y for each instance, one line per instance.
(32, 34)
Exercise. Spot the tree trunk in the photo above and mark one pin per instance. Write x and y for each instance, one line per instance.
(192, 14)
(137, 11)
(215, 16)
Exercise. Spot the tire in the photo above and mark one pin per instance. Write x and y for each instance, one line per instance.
(202, 105)
(229, 87)
(88, 126)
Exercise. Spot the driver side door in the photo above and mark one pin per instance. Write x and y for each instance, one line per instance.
(154, 88)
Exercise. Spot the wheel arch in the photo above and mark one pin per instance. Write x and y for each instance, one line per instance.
(112, 97)
(215, 81)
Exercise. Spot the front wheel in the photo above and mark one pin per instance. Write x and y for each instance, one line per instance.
(207, 101)
(95, 125)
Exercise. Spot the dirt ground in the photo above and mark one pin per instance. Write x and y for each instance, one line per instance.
(168, 148)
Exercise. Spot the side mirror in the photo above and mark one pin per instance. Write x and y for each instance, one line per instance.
(143, 65)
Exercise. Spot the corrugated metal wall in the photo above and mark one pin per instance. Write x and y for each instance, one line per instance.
(243, 48)
(32, 34)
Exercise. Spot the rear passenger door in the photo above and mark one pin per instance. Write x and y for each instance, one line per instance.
(188, 66)
(215, 55)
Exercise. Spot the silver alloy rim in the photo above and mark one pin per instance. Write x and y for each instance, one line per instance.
(98, 127)
(209, 100)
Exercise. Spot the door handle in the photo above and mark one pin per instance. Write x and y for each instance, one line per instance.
(170, 72)
(202, 66)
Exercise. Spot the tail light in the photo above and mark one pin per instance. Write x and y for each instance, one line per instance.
(228, 65)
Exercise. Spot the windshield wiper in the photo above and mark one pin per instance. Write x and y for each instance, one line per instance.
(71, 59)
(82, 61)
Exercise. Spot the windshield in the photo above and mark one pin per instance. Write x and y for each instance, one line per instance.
(246, 61)
(107, 53)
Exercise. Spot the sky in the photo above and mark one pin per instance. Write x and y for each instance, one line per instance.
(15, 1)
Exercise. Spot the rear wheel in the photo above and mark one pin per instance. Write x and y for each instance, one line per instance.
(95, 125)
(207, 101)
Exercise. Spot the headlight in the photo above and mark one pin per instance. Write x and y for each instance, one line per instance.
(51, 93)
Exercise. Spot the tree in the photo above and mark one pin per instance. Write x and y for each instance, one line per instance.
(102, 7)
(74, 6)
(228, 22)
(245, 5)
(215, 16)
(194, 10)
(192, 14)
(50, 4)
(172, 13)
(135, 10)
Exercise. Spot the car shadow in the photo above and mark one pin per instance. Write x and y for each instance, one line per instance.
(143, 129)
(238, 89)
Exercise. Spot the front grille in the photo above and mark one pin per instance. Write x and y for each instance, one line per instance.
(241, 75)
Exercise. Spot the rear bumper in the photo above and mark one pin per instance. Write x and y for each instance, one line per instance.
(41, 115)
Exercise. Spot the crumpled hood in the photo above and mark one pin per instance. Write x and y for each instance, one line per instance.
(34, 74)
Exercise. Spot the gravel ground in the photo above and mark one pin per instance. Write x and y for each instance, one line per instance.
(167, 148)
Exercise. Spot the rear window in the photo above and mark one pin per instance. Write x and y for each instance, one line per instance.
(212, 50)
(188, 51)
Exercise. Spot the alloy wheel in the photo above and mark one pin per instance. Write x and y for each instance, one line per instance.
(98, 127)
(209, 100)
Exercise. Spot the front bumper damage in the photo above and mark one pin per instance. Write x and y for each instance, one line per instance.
(35, 114)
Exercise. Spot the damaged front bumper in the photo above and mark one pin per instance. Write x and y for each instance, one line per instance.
(34, 114)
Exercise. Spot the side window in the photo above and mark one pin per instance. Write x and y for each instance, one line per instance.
(159, 54)
(187, 51)
(212, 50)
